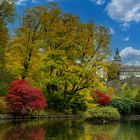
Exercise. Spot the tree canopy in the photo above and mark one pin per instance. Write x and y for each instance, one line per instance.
(55, 49)
(7, 13)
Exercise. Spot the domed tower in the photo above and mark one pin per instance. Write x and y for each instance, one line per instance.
(117, 58)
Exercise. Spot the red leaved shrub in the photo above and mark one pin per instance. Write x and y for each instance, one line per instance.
(101, 98)
(22, 97)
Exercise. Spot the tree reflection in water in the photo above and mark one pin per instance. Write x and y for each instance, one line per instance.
(45, 130)
(68, 130)
(25, 132)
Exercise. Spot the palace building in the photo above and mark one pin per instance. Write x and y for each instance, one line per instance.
(125, 70)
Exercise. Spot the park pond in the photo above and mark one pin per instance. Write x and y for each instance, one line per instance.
(54, 129)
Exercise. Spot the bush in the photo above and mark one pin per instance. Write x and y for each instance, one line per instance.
(67, 102)
(127, 91)
(101, 98)
(102, 114)
(125, 106)
(23, 99)
(137, 97)
(3, 91)
(5, 78)
(137, 108)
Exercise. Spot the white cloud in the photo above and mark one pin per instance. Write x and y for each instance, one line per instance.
(133, 62)
(125, 26)
(99, 2)
(126, 38)
(34, 1)
(130, 56)
(112, 31)
(21, 2)
(124, 10)
(129, 51)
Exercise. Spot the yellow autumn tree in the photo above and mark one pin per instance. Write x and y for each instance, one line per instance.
(65, 51)
(58, 52)
(24, 52)
(7, 12)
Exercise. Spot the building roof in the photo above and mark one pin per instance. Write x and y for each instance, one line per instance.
(126, 68)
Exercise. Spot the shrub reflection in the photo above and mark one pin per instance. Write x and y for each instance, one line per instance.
(23, 132)
(68, 130)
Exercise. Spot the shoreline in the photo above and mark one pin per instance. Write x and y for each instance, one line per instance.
(50, 116)
(62, 116)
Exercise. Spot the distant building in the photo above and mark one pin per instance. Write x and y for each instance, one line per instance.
(125, 70)
(117, 58)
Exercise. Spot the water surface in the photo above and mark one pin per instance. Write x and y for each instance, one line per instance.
(68, 130)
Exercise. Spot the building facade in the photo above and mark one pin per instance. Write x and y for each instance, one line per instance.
(126, 71)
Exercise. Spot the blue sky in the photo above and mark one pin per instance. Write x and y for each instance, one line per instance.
(122, 17)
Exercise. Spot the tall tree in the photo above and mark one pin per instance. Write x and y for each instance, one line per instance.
(7, 12)
(57, 50)
(74, 51)
(26, 45)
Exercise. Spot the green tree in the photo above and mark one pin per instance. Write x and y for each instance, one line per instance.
(7, 12)
(23, 53)
(113, 71)
(58, 52)
(72, 52)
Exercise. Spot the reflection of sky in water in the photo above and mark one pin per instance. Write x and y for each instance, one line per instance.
(68, 130)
